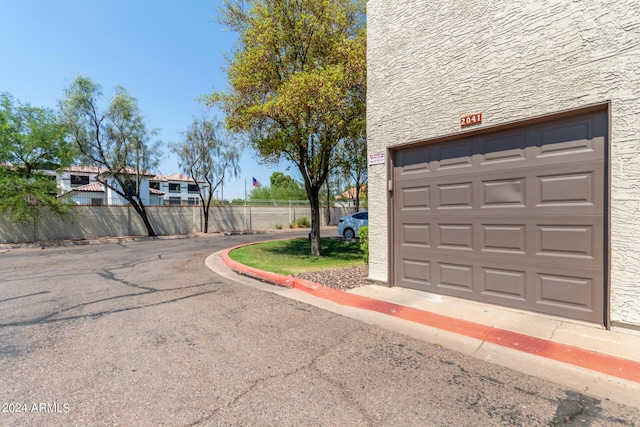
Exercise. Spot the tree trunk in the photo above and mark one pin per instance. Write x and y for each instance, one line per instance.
(328, 218)
(139, 207)
(137, 204)
(315, 224)
(205, 212)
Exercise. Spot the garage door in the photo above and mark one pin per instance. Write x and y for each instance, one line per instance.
(514, 217)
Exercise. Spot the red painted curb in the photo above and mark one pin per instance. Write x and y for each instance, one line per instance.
(610, 365)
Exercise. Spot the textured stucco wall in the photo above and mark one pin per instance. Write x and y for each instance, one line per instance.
(432, 62)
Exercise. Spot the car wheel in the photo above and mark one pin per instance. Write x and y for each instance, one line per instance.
(349, 233)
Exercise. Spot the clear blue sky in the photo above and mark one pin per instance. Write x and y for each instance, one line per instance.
(165, 53)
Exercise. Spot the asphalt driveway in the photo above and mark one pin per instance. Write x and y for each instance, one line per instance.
(143, 334)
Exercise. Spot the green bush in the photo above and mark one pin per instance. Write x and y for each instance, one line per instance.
(363, 235)
(302, 222)
(278, 226)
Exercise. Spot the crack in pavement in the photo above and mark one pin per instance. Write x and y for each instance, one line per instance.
(339, 385)
(24, 296)
(311, 365)
(109, 275)
(48, 317)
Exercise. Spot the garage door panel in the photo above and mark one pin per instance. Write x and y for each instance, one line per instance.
(416, 274)
(516, 239)
(573, 291)
(413, 163)
(575, 186)
(564, 189)
(456, 195)
(568, 138)
(503, 284)
(415, 197)
(505, 147)
(576, 243)
(458, 277)
(454, 155)
(561, 291)
(501, 238)
(416, 235)
(513, 218)
(566, 241)
(455, 236)
(506, 192)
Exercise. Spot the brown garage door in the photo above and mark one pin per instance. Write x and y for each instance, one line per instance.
(514, 218)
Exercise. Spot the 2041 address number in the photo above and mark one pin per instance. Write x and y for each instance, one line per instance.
(473, 119)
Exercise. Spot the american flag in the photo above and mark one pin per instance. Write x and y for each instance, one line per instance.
(256, 183)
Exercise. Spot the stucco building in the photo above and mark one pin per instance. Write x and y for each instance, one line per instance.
(505, 146)
(83, 185)
(179, 190)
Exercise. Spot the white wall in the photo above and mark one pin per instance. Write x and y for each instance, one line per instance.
(432, 62)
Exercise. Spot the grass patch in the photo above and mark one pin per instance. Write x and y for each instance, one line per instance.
(292, 256)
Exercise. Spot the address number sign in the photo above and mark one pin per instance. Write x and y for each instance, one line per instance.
(473, 119)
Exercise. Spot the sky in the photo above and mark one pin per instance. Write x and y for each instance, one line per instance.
(165, 53)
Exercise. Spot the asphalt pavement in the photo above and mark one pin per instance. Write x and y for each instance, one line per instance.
(143, 333)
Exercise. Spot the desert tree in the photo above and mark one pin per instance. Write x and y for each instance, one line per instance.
(33, 144)
(206, 156)
(114, 139)
(352, 163)
(297, 81)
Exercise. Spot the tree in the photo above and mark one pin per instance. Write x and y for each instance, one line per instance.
(353, 162)
(115, 140)
(206, 157)
(297, 82)
(283, 187)
(330, 187)
(280, 180)
(32, 141)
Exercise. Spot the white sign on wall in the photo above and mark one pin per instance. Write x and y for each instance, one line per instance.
(376, 159)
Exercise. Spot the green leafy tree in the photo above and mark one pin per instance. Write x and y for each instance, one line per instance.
(285, 182)
(297, 82)
(204, 156)
(115, 140)
(32, 141)
(283, 188)
(262, 193)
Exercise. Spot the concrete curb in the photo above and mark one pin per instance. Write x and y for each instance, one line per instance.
(628, 370)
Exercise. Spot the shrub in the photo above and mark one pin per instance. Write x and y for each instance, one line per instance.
(278, 226)
(302, 222)
(363, 235)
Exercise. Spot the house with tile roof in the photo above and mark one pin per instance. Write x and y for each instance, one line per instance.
(178, 190)
(86, 186)
(348, 197)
